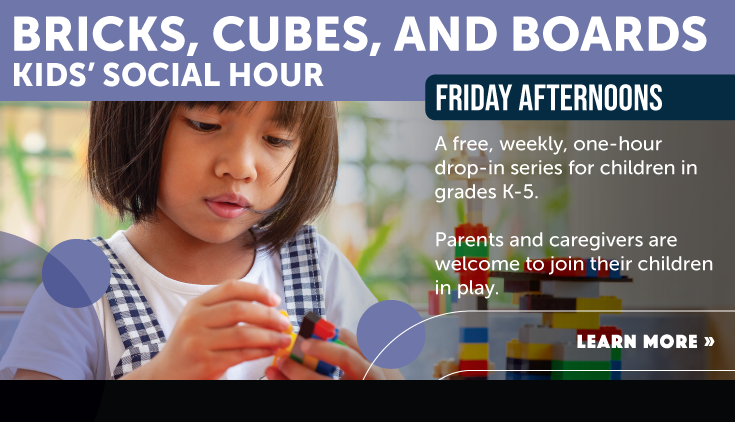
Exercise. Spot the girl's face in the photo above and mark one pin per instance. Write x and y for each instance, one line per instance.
(216, 166)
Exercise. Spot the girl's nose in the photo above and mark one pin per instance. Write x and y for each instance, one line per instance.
(238, 162)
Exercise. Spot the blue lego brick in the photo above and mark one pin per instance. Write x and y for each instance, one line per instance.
(473, 335)
(615, 373)
(512, 376)
(454, 296)
(529, 377)
(316, 337)
(325, 368)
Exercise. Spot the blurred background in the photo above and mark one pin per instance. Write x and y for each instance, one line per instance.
(385, 217)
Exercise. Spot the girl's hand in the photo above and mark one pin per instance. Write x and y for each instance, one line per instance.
(349, 359)
(209, 338)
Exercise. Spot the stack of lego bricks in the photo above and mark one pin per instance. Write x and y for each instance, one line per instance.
(565, 299)
(473, 354)
(312, 326)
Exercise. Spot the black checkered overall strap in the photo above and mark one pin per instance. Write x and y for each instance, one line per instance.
(302, 279)
(138, 326)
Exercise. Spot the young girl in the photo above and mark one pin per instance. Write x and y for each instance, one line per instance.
(219, 194)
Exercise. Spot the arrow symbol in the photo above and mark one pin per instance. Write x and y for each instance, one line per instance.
(709, 341)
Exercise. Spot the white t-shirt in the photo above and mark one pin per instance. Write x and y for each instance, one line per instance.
(85, 343)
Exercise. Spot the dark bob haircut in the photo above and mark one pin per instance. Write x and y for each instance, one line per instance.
(126, 143)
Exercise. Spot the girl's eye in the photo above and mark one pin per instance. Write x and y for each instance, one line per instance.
(277, 142)
(202, 127)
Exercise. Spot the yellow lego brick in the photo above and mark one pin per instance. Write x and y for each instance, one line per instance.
(473, 351)
(442, 303)
(535, 351)
(310, 362)
(513, 349)
(607, 303)
(579, 321)
(286, 352)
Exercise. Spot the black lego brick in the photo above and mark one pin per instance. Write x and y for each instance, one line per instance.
(520, 286)
(547, 303)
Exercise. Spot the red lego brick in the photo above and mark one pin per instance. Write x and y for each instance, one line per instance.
(433, 303)
(465, 365)
(324, 329)
(467, 229)
(473, 278)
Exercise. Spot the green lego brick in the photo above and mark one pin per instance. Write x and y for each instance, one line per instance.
(339, 342)
(449, 302)
(616, 354)
(599, 370)
(296, 358)
(477, 251)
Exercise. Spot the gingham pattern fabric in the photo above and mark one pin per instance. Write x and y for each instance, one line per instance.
(302, 279)
(139, 330)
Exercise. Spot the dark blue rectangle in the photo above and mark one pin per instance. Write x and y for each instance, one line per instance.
(616, 97)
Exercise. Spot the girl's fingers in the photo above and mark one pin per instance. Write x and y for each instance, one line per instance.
(229, 358)
(247, 337)
(295, 371)
(349, 339)
(239, 290)
(349, 360)
(274, 374)
(227, 314)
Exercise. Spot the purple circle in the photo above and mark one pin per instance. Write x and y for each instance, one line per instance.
(76, 273)
(382, 323)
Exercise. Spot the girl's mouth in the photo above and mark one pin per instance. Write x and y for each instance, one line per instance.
(228, 206)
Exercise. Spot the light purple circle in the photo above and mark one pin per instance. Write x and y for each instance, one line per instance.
(76, 273)
(382, 323)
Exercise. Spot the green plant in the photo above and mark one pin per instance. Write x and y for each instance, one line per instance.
(373, 248)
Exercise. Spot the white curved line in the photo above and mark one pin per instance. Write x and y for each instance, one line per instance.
(536, 312)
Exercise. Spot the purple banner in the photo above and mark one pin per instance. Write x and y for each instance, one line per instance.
(190, 49)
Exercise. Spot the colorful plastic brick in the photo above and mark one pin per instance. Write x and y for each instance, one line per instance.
(442, 304)
(534, 351)
(513, 349)
(582, 320)
(607, 303)
(474, 365)
(547, 303)
(473, 335)
(570, 370)
(433, 303)
(312, 326)
(473, 351)
(521, 286)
